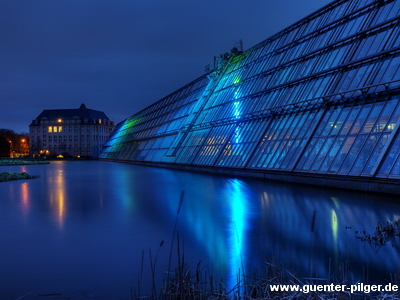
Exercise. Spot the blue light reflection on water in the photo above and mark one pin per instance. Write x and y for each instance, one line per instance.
(85, 225)
(237, 199)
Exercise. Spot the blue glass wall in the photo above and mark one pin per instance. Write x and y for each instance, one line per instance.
(321, 96)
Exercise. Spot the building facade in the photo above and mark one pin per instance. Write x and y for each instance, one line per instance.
(78, 132)
(318, 101)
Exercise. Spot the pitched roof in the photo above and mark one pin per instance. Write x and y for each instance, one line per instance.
(82, 112)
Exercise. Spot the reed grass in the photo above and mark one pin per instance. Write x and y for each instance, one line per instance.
(186, 283)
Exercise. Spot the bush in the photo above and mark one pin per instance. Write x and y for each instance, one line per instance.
(6, 176)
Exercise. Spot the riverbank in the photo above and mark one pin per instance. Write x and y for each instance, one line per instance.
(21, 161)
(7, 176)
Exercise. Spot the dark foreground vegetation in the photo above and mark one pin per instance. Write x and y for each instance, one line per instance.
(188, 283)
(22, 161)
(184, 283)
(6, 176)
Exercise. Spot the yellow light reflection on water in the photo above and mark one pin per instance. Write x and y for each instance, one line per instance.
(334, 225)
(25, 197)
(57, 197)
(334, 221)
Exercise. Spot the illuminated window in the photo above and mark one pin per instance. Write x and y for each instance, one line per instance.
(54, 128)
(59, 128)
(50, 129)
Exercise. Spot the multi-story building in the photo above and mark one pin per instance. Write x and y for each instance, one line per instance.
(317, 103)
(78, 132)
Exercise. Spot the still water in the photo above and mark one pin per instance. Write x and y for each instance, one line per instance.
(89, 227)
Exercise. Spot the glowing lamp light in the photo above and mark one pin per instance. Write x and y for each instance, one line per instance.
(59, 120)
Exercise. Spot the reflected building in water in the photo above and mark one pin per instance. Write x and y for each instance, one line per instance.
(316, 102)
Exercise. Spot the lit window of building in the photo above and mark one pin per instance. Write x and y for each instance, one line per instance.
(50, 121)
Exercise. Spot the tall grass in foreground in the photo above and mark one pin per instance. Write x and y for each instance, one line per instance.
(187, 283)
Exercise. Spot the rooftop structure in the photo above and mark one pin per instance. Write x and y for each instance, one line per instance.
(78, 132)
(317, 102)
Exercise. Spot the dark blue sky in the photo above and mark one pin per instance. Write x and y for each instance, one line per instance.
(120, 56)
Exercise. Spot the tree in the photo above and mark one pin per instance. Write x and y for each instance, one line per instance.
(19, 142)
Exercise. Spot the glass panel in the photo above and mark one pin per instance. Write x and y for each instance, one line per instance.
(349, 80)
(376, 77)
(353, 160)
(336, 153)
(261, 153)
(377, 150)
(395, 116)
(323, 85)
(272, 147)
(359, 122)
(322, 153)
(391, 163)
(340, 121)
(280, 152)
(372, 117)
(396, 75)
(350, 120)
(390, 71)
(291, 148)
(306, 154)
(383, 119)
(324, 127)
(309, 156)
(377, 45)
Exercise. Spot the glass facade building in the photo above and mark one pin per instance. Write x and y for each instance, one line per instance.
(321, 97)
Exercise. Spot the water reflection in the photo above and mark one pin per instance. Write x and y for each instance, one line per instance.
(122, 190)
(57, 195)
(335, 226)
(115, 211)
(237, 196)
(25, 197)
